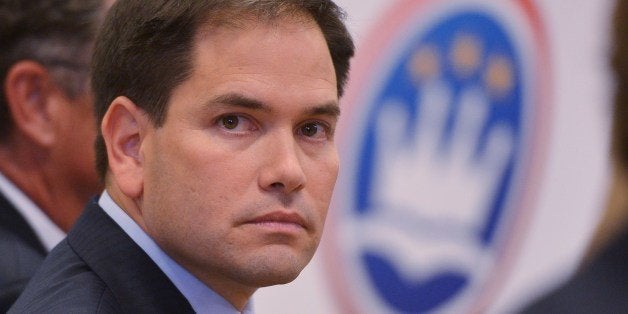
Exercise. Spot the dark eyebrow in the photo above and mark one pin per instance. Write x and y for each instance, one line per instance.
(331, 109)
(238, 100)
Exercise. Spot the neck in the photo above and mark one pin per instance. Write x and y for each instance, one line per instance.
(236, 294)
(34, 175)
(615, 218)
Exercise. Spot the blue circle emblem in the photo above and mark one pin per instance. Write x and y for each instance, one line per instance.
(438, 156)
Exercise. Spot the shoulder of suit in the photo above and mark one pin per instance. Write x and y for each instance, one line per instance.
(77, 288)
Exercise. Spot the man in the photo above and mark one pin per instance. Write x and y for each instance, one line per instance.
(217, 148)
(47, 130)
(601, 285)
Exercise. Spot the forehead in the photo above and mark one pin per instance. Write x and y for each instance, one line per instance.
(289, 50)
(251, 30)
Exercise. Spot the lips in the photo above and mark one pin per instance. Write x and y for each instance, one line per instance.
(280, 218)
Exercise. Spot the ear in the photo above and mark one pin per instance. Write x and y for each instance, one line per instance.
(123, 129)
(28, 89)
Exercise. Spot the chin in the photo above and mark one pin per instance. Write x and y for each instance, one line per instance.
(277, 277)
(276, 270)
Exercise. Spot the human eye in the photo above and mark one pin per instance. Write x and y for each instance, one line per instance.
(315, 130)
(236, 123)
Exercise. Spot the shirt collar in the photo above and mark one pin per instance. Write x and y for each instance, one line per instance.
(202, 298)
(48, 233)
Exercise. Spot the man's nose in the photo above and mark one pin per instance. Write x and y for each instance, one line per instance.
(282, 169)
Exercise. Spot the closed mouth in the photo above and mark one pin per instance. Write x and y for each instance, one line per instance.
(280, 217)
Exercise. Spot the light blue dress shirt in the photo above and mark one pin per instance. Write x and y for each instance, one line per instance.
(48, 233)
(202, 298)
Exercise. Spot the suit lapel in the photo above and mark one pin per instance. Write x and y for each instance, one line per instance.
(135, 280)
(13, 222)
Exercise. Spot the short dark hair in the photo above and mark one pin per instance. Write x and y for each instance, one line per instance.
(145, 48)
(55, 33)
(619, 64)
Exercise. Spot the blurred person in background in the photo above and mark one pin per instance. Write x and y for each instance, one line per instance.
(601, 284)
(47, 129)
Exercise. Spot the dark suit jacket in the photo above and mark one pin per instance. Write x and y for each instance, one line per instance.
(21, 253)
(601, 287)
(99, 269)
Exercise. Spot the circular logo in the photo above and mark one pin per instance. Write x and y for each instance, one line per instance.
(439, 144)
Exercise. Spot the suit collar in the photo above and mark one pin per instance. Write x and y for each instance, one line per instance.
(13, 222)
(137, 283)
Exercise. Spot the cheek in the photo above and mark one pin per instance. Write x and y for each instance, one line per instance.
(187, 179)
(179, 207)
(322, 179)
(326, 172)
(75, 151)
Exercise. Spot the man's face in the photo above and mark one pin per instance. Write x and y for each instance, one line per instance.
(73, 153)
(237, 182)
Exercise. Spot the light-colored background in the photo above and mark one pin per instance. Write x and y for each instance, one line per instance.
(573, 182)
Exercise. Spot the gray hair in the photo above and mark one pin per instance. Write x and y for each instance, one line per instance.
(58, 34)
